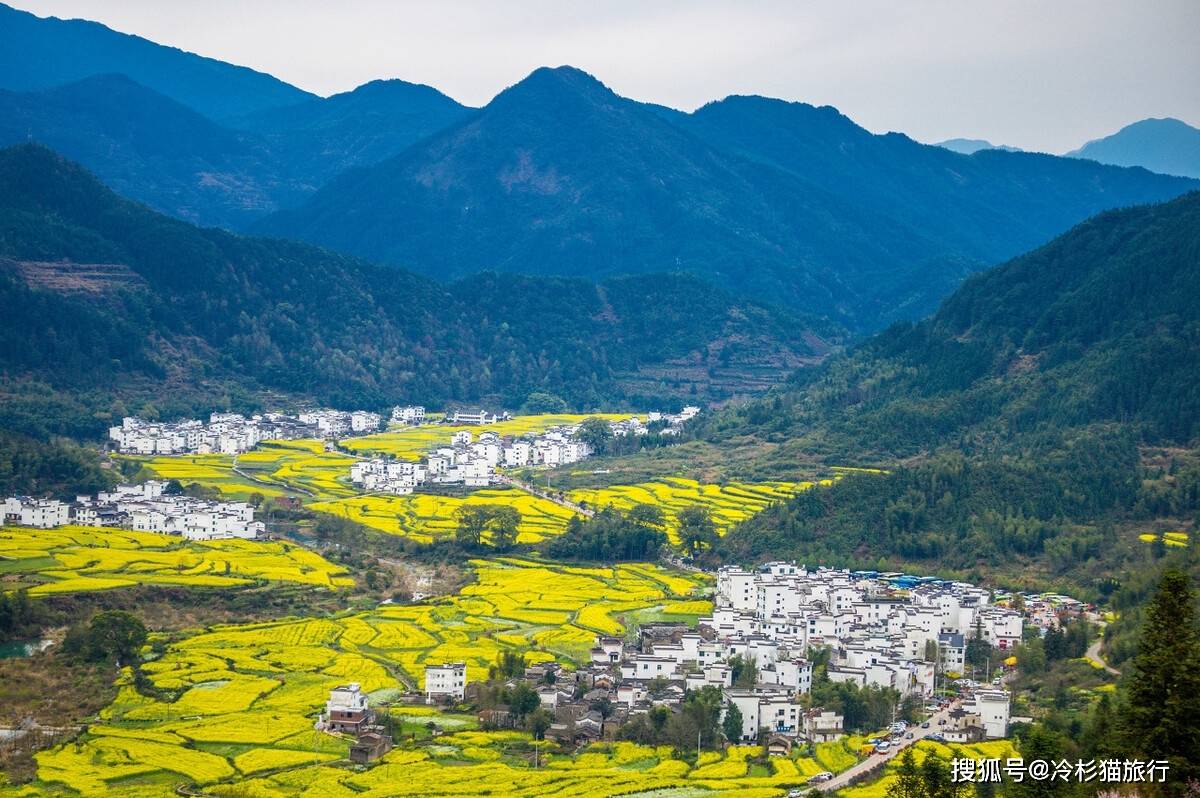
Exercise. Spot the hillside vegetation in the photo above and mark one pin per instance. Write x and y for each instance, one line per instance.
(778, 201)
(113, 308)
(1046, 407)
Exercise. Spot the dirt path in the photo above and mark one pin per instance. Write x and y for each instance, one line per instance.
(1093, 656)
(505, 479)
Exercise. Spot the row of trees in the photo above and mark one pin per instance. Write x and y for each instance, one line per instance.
(612, 536)
(494, 525)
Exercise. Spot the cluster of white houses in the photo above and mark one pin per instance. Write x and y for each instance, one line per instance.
(885, 630)
(889, 631)
(474, 461)
(469, 461)
(145, 507)
(233, 433)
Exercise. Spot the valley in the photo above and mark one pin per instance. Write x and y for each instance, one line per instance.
(599, 430)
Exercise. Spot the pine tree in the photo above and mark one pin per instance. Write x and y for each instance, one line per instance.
(908, 783)
(1039, 743)
(1161, 715)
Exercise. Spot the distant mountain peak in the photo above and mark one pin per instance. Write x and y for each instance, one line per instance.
(41, 52)
(1164, 145)
(972, 146)
(555, 84)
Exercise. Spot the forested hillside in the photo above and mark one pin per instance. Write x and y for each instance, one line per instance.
(112, 307)
(1047, 409)
(779, 201)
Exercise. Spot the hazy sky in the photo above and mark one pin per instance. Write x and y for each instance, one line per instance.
(1038, 74)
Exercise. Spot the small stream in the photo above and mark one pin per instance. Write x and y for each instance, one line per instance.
(22, 648)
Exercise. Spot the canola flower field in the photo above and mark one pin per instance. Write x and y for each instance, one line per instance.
(427, 517)
(237, 700)
(412, 443)
(1176, 539)
(475, 763)
(274, 468)
(73, 559)
(729, 504)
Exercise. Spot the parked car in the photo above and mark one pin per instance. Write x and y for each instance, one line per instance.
(796, 793)
(908, 736)
(882, 748)
(821, 777)
(937, 738)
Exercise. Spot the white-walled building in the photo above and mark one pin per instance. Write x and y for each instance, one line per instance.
(145, 508)
(445, 681)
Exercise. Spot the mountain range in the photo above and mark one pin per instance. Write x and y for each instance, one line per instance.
(107, 303)
(774, 200)
(40, 53)
(1098, 327)
(153, 149)
(1167, 146)
(1034, 426)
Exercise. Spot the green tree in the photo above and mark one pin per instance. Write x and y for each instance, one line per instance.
(114, 635)
(743, 671)
(596, 433)
(647, 515)
(1159, 718)
(504, 525)
(979, 651)
(908, 778)
(472, 521)
(731, 725)
(542, 402)
(696, 528)
(522, 700)
(509, 664)
(538, 722)
(1039, 743)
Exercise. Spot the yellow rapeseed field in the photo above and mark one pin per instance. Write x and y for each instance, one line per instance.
(237, 700)
(729, 503)
(427, 517)
(74, 559)
(275, 468)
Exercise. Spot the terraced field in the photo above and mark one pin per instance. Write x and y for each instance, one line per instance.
(428, 517)
(275, 468)
(496, 763)
(729, 503)
(411, 443)
(77, 559)
(240, 699)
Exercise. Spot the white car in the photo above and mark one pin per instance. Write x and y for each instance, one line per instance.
(821, 777)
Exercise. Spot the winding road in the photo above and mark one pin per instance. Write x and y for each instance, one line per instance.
(877, 761)
(1093, 655)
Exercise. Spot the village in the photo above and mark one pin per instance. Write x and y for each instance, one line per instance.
(903, 633)
(233, 433)
(145, 507)
(476, 461)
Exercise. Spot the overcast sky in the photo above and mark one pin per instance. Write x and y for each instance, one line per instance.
(1037, 74)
